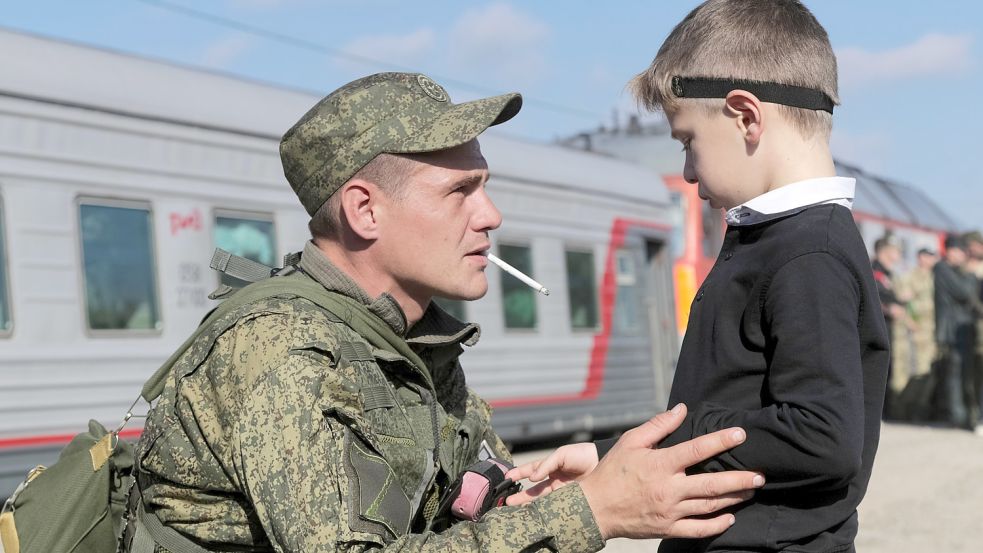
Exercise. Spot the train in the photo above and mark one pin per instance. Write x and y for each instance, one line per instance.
(119, 175)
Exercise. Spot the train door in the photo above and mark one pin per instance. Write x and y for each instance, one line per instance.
(643, 329)
(660, 308)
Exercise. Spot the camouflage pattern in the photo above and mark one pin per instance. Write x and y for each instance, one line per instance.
(914, 350)
(285, 431)
(396, 113)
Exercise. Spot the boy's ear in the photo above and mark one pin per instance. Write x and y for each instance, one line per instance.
(746, 110)
(359, 208)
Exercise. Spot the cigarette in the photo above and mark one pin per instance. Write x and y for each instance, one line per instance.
(519, 275)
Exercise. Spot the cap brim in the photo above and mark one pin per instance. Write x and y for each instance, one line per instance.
(460, 124)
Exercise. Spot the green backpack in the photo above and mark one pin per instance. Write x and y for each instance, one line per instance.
(79, 504)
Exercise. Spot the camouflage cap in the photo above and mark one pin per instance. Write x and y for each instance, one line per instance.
(395, 113)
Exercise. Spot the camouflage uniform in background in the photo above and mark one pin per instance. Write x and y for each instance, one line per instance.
(290, 433)
(914, 350)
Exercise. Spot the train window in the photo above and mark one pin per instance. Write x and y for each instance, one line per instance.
(248, 235)
(119, 268)
(580, 285)
(5, 318)
(626, 304)
(518, 300)
(454, 307)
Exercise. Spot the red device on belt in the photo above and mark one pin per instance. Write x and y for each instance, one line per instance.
(480, 488)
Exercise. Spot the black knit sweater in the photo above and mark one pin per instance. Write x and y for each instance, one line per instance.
(786, 339)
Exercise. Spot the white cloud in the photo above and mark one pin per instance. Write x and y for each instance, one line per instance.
(409, 50)
(500, 40)
(221, 52)
(932, 54)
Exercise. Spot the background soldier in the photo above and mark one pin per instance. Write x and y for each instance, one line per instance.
(974, 265)
(294, 428)
(887, 254)
(914, 344)
(955, 329)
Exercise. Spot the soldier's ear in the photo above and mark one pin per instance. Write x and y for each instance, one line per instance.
(358, 206)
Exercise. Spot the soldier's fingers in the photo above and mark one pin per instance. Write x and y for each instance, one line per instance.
(654, 430)
(527, 495)
(709, 486)
(702, 448)
(705, 506)
(524, 470)
(547, 466)
(700, 528)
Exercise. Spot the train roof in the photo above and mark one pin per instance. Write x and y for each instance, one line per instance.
(70, 74)
(892, 200)
(650, 144)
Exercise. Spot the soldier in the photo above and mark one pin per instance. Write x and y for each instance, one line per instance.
(887, 254)
(288, 428)
(913, 356)
(974, 265)
(956, 309)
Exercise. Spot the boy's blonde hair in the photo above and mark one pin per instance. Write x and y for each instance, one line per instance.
(777, 41)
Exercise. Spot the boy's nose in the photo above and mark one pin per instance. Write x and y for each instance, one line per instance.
(689, 175)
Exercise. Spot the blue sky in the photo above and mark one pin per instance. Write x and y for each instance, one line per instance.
(910, 71)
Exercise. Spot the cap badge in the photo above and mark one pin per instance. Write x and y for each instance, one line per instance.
(431, 88)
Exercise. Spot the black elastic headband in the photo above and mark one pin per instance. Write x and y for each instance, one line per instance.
(785, 94)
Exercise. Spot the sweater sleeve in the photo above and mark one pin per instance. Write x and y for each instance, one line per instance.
(810, 432)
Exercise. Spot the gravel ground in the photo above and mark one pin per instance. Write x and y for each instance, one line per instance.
(926, 494)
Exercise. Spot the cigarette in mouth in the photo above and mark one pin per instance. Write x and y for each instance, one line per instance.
(519, 275)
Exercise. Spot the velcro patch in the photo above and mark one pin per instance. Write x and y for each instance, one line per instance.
(374, 487)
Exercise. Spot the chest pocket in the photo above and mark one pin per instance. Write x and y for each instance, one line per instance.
(391, 462)
(462, 439)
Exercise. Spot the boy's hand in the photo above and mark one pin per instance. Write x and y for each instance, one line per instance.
(566, 464)
(637, 491)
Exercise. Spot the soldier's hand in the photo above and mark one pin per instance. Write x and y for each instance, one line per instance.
(640, 492)
(566, 464)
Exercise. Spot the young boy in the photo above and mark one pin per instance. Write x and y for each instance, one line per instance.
(786, 338)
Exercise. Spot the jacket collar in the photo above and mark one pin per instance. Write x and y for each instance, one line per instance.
(435, 328)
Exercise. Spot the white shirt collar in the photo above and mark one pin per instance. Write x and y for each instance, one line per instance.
(793, 198)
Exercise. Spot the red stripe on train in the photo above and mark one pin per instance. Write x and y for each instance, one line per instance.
(599, 352)
(54, 439)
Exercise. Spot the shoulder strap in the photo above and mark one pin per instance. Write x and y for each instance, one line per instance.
(240, 267)
(296, 284)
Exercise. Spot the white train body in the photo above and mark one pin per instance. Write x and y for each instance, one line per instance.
(86, 135)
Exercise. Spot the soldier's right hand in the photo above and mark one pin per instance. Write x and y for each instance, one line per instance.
(637, 491)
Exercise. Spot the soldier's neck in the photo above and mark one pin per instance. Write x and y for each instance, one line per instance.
(373, 281)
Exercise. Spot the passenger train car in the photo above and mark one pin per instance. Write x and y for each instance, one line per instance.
(119, 175)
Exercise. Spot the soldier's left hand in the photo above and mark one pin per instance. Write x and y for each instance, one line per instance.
(567, 464)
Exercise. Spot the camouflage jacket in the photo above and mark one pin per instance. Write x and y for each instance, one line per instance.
(288, 432)
(918, 287)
